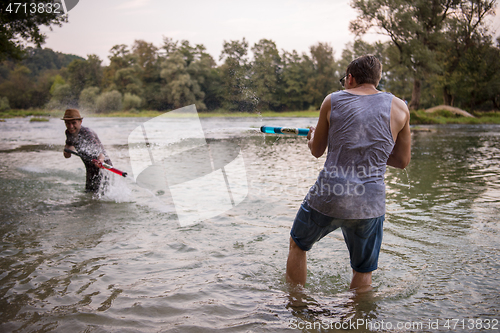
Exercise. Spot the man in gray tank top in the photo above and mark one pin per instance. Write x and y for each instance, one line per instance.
(364, 130)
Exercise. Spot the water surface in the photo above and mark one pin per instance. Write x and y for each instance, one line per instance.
(122, 263)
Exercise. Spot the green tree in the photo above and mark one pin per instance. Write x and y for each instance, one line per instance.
(466, 34)
(124, 73)
(109, 101)
(238, 95)
(146, 55)
(398, 79)
(475, 83)
(169, 45)
(149, 61)
(297, 70)
(325, 74)
(82, 74)
(63, 97)
(180, 87)
(213, 88)
(34, 85)
(18, 25)
(419, 28)
(266, 71)
(4, 104)
(127, 80)
(209, 79)
(414, 26)
(41, 89)
(56, 81)
(88, 98)
(39, 60)
(120, 58)
(95, 71)
(18, 88)
(131, 102)
(187, 74)
(77, 76)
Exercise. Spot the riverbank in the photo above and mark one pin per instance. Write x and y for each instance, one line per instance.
(419, 117)
(40, 113)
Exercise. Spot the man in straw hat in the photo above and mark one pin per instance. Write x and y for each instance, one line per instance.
(86, 142)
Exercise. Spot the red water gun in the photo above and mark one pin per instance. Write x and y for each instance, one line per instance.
(102, 165)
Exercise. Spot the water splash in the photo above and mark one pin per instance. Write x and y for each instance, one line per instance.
(407, 178)
(33, 169)
(117, 190)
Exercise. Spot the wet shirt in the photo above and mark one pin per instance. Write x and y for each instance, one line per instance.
(351, 184)
(88, 145)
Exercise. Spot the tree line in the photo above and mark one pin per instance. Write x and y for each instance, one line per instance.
(439, 52)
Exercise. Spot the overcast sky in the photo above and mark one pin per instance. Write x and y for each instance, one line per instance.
(97, 25)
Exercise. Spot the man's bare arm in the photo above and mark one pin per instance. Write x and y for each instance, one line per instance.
(400, 124)
(318, 136)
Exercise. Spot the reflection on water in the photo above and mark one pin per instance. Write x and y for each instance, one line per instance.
(71, 263)
(348, 311)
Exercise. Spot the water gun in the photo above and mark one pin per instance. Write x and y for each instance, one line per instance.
(284, 130)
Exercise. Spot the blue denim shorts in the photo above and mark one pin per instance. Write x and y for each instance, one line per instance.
(362, 237)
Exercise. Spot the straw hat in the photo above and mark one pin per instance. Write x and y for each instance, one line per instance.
(72, 114)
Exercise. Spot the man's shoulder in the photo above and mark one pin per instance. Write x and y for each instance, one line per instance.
(87, 131)
(400, 105)
(336, 93)
(399, 110)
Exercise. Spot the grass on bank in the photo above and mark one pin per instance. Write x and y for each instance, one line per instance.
(27, 113)
(38, 119)
(419, 117)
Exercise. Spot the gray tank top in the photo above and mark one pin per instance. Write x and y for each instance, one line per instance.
(351, 184)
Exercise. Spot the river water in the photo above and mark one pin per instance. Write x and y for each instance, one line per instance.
(71, 262)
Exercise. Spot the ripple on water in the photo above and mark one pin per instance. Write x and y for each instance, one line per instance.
(73, 262)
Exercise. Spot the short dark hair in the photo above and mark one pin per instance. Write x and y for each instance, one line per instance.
(365, 69)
